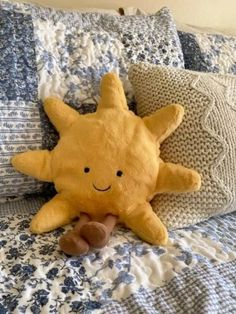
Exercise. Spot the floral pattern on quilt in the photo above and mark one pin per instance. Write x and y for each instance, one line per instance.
(37, 278)
(79, 57)
(209, 52)
(73, 49)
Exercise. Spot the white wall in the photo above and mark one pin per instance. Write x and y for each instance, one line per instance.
(220, 14)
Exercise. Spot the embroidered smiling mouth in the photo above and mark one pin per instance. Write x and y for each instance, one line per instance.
(102, 190)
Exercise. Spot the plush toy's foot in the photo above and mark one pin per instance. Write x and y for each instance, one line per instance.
(73, 244)
(95, 233)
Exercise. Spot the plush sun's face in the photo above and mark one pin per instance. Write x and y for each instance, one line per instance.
(104, 156)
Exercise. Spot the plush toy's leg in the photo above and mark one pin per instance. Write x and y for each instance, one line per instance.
(176, 178)
(145, 223)
(55, 213)
(71, 243)
(97, 233)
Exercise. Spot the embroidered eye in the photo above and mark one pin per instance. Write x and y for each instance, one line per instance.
(86, 169)
(119, 173)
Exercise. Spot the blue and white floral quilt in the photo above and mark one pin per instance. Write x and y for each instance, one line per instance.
(194, 273)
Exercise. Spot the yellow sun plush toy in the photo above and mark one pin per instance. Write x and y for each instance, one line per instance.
(106, 167)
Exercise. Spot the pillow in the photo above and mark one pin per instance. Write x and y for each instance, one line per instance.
(208, 52)
(207, 30)
(76, 49)
(230, 30)
(204, 141)
(205, 49)
(64, 53)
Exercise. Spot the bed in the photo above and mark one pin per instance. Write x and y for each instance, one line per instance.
(195, 271)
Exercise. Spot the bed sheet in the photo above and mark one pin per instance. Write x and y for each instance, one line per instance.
(194, 273)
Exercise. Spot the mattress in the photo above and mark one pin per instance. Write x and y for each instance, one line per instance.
(194, 273)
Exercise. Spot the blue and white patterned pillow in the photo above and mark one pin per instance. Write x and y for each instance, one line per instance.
(207, 52)
(52, 52)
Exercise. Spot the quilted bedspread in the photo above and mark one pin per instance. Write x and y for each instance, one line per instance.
(194, 273)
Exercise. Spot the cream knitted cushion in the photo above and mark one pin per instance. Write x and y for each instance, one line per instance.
(206, 139)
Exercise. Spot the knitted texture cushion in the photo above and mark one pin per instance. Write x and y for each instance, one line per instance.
(205, 141)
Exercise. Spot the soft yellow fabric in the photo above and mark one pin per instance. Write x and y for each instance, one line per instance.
(110, 140)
